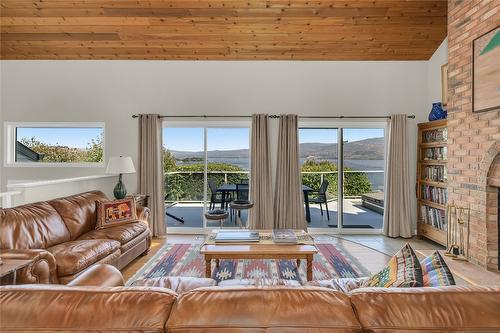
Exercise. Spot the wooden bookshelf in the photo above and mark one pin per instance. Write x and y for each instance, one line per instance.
(432, 180)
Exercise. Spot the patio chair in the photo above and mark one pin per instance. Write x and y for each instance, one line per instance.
(215, 198)
(241, 195)
(320, 198)
(242, 191)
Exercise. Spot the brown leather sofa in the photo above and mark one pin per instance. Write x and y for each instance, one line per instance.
(79, 308)
(59, 237)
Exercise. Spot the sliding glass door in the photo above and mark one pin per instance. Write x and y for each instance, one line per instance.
(363, 153)
(343, 174)
(184, 176)
(318, 150)
(204, 167)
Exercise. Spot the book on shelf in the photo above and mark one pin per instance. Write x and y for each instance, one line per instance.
(435, 154)
(435, 173)
(284, 236)
(224, 236)
(435, 194)
(433, 216)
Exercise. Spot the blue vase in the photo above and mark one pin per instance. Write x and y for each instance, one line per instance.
(437, 112)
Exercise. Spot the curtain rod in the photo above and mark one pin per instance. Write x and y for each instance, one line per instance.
(277, 116)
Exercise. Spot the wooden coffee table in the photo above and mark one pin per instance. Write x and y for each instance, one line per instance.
(258, 250)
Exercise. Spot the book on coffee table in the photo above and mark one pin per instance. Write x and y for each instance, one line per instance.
(237, 236)
(286, 236)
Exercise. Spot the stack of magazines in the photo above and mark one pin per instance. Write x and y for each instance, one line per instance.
(286, 236)
(236, 236)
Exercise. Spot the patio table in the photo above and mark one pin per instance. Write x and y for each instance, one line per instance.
(306, 189)
(225, 189)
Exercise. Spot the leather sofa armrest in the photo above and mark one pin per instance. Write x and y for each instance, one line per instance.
(100, 275)
(41, 270)
(143, 213)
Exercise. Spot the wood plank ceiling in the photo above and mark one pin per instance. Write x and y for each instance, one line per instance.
(222, 29)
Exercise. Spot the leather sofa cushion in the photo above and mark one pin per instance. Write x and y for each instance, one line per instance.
(32, 226)
(78, 211)
(273, 309)
(122, 233)
(445, 309)
(179, 284)
(72, 257)
(35, 308)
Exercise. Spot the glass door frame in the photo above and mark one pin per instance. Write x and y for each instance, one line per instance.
(205, 124)
(335, 124)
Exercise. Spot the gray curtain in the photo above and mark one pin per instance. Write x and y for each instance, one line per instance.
(397, 217)
(261, 215)
(288, 195)
(150, 180)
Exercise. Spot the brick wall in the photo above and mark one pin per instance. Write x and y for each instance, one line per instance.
(474, 138)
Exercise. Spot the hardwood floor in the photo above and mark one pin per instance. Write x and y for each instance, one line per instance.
(465, 273)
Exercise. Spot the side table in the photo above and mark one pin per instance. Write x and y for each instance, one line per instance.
(9, 268)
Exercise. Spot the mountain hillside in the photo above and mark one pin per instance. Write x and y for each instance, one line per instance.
(368, 149)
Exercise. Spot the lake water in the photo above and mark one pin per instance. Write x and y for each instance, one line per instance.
(377, 179)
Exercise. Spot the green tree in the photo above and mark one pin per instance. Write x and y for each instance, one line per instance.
(95, 149)
(53, 153)
(168, 160)
(65, 154)
(185, 182)
(313, 180)
(355, 182)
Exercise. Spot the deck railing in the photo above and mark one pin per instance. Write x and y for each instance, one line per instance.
(187, 186)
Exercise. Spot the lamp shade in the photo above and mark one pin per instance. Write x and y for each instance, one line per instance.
(122, 164)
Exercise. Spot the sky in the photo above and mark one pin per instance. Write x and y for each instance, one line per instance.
(191, 139)
(71, 137)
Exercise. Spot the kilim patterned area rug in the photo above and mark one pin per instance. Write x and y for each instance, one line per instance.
(332, 260)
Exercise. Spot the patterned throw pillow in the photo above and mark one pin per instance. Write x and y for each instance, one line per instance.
(435, 271)
(344, 285)
(117, 212)
(403, 270)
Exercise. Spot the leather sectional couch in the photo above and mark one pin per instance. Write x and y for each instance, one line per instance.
(81, 307)
(59, 237)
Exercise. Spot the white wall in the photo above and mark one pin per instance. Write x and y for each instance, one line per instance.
(27, 192)
(111, 91)
(439, 58)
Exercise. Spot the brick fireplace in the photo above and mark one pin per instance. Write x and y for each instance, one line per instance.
(474, 138)
(492, 212)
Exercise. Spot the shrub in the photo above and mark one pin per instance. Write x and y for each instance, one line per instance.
(355, 183)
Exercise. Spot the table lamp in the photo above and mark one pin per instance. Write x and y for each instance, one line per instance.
(120, 165)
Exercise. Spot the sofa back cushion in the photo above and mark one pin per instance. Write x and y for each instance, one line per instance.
(32, 226)
(50, 308)
(428, 309)
(79, 211)
(272, 309)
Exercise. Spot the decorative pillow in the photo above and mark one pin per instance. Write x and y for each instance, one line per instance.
(116, 212)
(344, 285)
(435, 271)
(403, 270)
